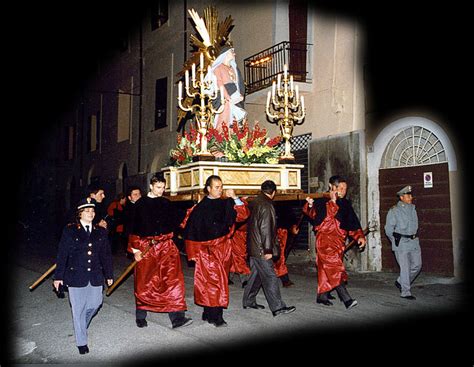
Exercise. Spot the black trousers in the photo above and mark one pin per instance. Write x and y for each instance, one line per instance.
(342, 292)
(213, 313)
(262, 275)
(174, 316)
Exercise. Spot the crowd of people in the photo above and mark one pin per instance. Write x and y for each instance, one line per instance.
(223, 234)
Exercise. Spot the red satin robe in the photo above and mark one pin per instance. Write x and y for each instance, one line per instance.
(239, 251)
(280, 265)
(330, 245)
(213, 261)
(159, 280)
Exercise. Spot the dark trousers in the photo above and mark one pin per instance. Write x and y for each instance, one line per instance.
(262, 275)
(174, 316)
(215, 314)
(342, 292)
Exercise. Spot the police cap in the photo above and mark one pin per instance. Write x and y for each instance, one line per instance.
(405, 190)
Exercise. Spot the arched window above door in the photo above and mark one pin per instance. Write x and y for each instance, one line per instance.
(413, 146)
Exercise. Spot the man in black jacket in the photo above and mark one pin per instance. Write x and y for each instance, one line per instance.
(262, 248)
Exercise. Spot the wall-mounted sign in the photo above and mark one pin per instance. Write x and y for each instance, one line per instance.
(428, 180)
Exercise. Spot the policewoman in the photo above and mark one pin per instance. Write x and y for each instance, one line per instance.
(401, 228)
(84, 262)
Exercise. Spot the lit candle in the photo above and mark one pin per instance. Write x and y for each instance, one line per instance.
(297, 91)
(193, 73)
(302, 103)
(285, 71)
(186, 79)
(269, 94)
(180, 90)
(273, 89)
(201, 61)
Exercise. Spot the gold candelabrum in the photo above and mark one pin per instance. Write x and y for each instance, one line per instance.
(285, 107)
(206, 89)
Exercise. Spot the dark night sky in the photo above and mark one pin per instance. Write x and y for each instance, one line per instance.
(416, 57)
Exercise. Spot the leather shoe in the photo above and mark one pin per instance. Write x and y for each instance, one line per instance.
(255, 306)
(287, 284)
(350, 304)
(219, 323)
(398, 285)
(244, 283)
(409, 297)
(141, 322)
(330, 296)
(283, 310)
(83, 349)
(185, 321)
(325, 302)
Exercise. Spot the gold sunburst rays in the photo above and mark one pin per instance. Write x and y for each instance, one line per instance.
(213, 35)
(210, 37)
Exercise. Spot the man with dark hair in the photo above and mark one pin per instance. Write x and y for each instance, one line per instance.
(133, 194)
(333, 220)
(263, 246)
(159, 280)
(97, 193)
(207, 228)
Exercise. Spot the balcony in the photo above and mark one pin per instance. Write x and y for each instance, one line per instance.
(262, 68)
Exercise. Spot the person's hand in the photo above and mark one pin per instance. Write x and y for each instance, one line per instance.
(362, 242)
(230, 193)
(110, 282)
(333, 194)
(310, 201)
(267, 256)
(138, 256)
(102, 224)
(57, 283)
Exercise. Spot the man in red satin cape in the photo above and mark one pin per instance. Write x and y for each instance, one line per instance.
(159, 280)
(238, 241)
(333, 220)
(207, 231)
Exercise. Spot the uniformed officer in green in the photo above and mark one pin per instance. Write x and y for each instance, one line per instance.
(401, 228)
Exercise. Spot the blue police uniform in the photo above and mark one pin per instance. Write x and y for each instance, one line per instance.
(84, 262)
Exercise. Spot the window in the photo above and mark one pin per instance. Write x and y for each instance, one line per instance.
(413, 146)
(161, 97)
(124, 116)
(159, 14)
(92, 133)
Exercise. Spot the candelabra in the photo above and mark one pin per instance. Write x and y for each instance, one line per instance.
(206, 90)
(284, 100)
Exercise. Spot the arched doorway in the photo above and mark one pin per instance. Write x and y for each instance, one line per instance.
(404, 153)
(416, 157)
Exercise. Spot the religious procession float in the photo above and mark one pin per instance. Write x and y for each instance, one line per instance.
(220, 140)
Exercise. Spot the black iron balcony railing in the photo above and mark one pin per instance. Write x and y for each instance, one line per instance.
(262, 68)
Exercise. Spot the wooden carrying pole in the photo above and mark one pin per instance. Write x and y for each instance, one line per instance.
(40, 279)
(126, 272)
(353, 242)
